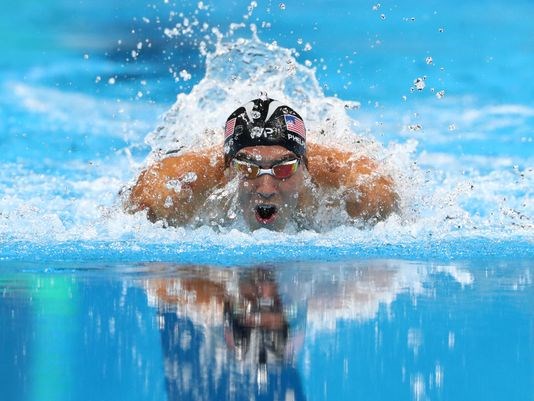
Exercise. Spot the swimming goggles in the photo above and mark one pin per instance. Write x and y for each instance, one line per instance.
(280, 170)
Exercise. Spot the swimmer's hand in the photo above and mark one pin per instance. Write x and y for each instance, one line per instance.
(174, 188)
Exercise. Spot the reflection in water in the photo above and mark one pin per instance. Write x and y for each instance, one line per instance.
(235, 333)
(373, 330)
(226, 335)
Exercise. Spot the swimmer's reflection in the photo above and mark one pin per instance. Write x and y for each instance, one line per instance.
(226, 335)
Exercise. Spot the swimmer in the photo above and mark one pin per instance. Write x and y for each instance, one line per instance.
(280, 178)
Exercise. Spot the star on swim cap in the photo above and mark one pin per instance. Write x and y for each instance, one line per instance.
(261, 122)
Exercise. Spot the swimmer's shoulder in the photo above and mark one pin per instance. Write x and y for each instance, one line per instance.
(174, 187)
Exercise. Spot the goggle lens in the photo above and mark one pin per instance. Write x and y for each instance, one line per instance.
(280, 171)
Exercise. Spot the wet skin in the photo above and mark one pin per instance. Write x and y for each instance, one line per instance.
(259, 196)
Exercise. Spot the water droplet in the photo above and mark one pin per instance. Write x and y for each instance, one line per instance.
(429, 60)
(98, 79)
(452, 127)
(111, 81)
(415, 127)
(189, 177)
(307, 63)
(307, 47)
(352, 106)
(441, 30)
(231, 214)
(282, 6)
(186, 76)
(299, 41)
(86, 57)
(419, 83)
(440, 94)
(404, 98)
(139, 94)
(382, 16)
(168, 202)
(376, 6)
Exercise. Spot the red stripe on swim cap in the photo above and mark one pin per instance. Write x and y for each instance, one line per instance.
(229, 130)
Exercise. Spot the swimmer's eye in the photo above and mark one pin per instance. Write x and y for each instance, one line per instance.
(281, 170)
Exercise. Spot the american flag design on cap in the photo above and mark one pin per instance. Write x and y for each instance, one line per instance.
(230, 126)
(295, 124)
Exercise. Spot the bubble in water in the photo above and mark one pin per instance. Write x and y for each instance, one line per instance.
(111, 81)
(452, 127)
(263, 95)
(382, 16)
(307, 47)
(376, 6)
(86, 56)
(415, 127)
(282, 6)
(429, 60)
(441, 30)
(307, 63)
(299, 41)
(98, 79)
(440, 94)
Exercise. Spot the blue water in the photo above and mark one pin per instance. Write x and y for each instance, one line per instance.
(433, 304)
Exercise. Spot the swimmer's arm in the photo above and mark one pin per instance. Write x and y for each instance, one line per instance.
(368, 194)
(174, 188)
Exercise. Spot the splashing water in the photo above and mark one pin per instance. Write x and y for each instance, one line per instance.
(446, 209)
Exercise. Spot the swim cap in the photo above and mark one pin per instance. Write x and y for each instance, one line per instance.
(264, 122)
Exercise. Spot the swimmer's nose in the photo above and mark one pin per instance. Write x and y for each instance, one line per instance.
(266, 186)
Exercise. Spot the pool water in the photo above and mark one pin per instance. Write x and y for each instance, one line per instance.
(378, 329)
(435, 303)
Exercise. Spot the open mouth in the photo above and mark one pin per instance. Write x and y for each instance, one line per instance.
(265, 214)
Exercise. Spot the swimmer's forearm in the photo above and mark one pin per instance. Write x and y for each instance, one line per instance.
(372, 200)
(368, 194)
(174, 188)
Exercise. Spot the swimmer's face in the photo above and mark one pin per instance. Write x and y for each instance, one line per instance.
(267, 201)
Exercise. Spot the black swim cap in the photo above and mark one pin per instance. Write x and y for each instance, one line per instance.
(264, 122)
